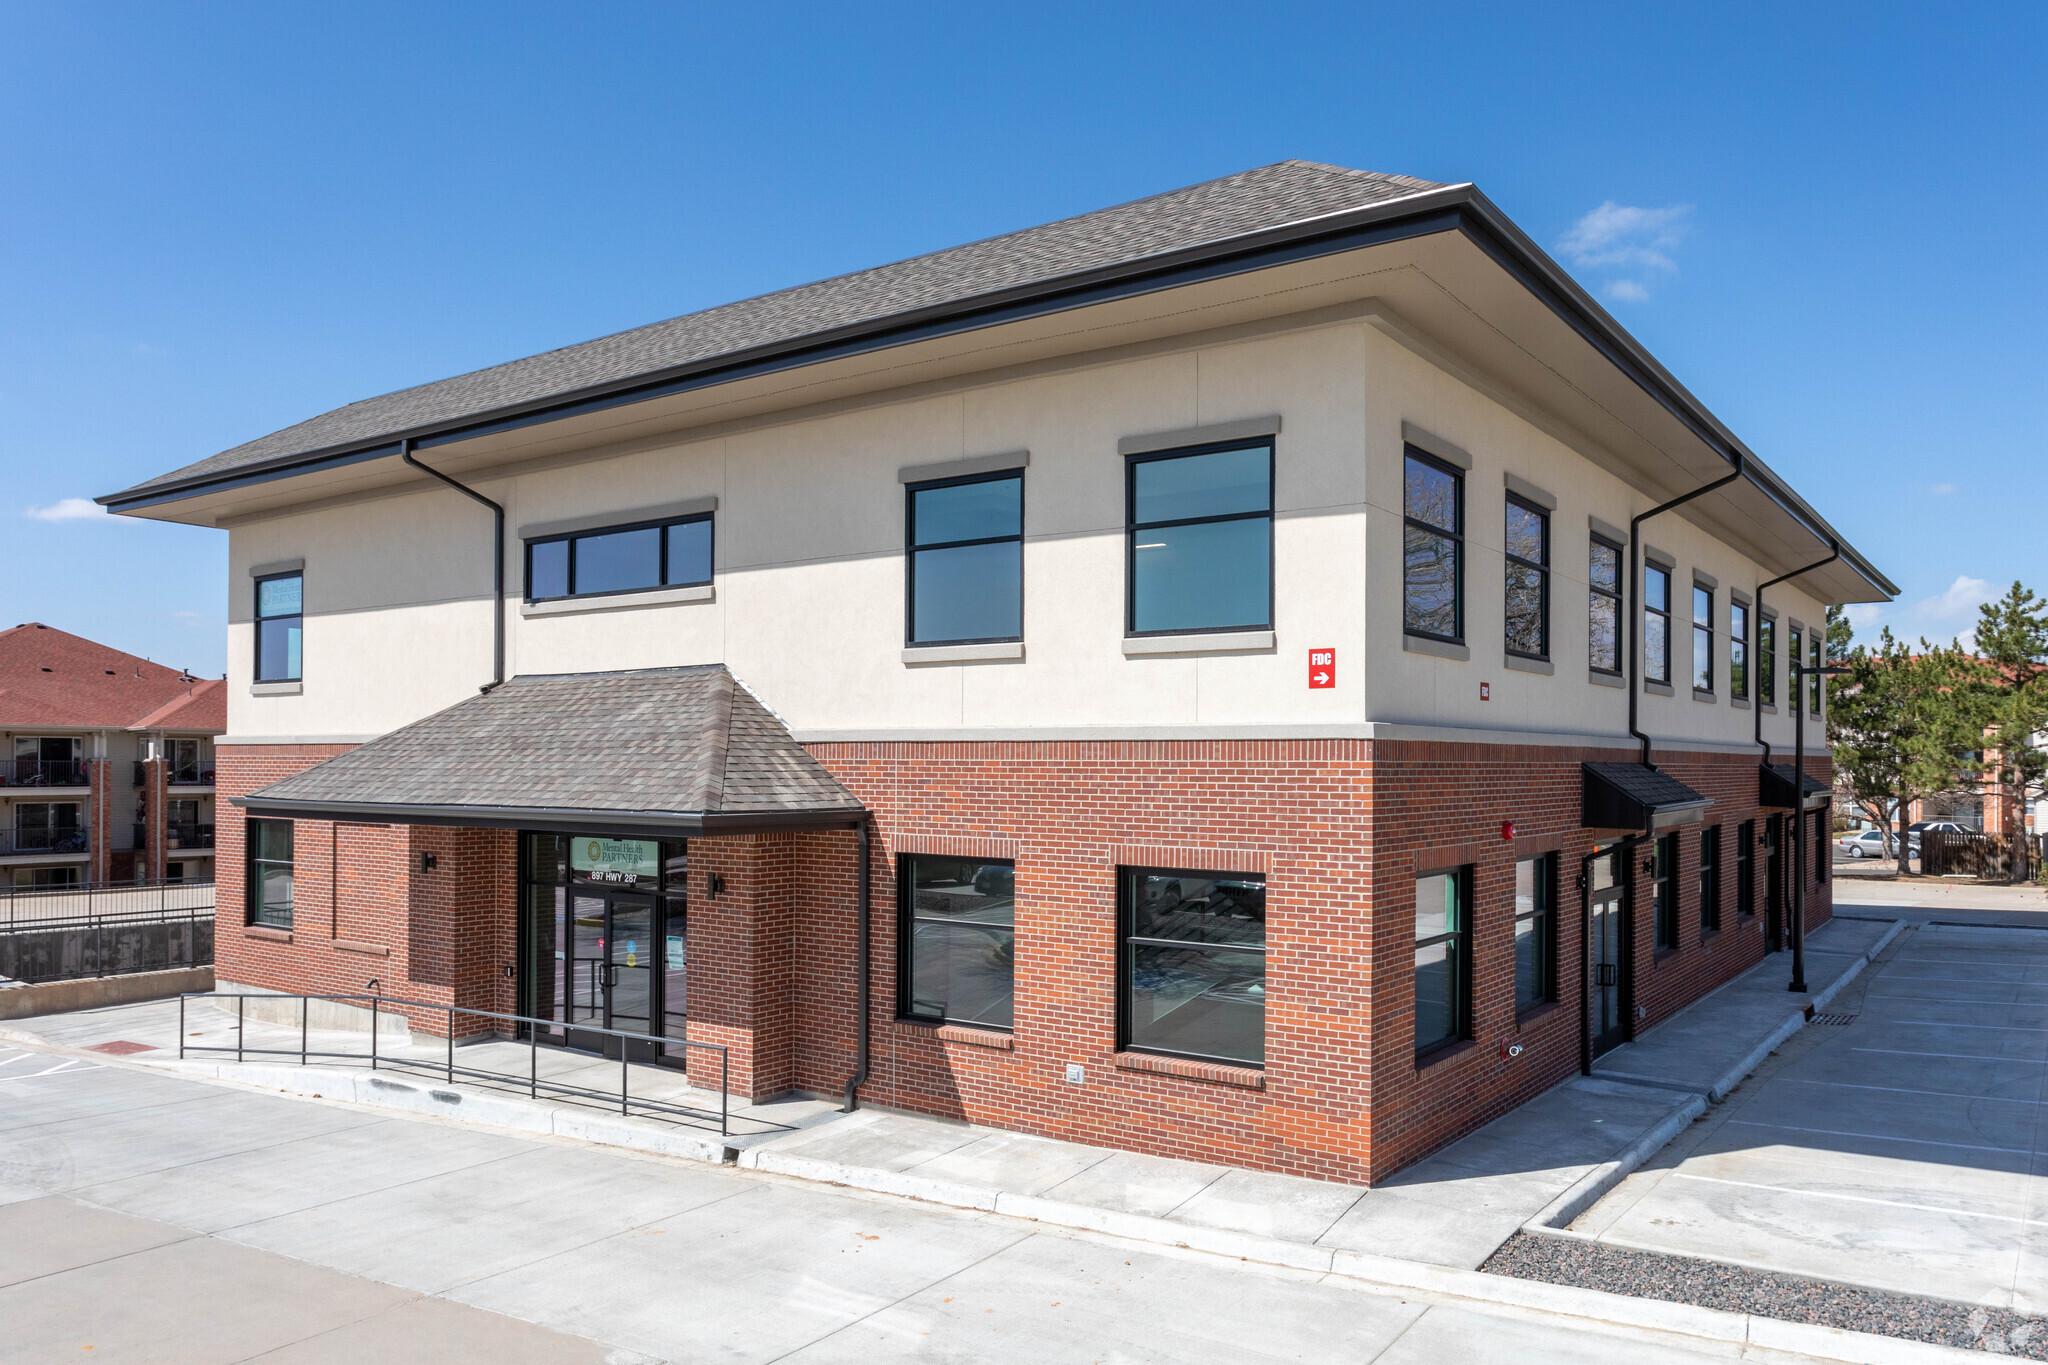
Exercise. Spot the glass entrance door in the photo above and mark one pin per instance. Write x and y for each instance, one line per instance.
(611, 971)
(1607, 967)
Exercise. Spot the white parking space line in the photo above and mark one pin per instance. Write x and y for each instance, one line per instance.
(67, 1064)
(1958, 981)
(1882, 1137)
(1942, 1023)
(1902, 1090)
(1859, 1199)
(1952, 1056)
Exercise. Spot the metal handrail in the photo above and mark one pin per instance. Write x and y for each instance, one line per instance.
(534, 1083)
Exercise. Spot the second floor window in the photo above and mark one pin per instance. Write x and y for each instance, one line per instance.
(959, 937)
(280, 618)
(1813, 674)
(966, 559)
(1767, 660)
(1433, 548)
(616, 559)
(185, 761)
(1603, 606)
(1702, 638)
(268, 885)
(1657, 624)
(48, 827)
(1797, 641)
(1527, 591)
(1201, 540)
(1738, 651)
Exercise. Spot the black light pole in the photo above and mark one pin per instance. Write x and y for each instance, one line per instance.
(1800, 673)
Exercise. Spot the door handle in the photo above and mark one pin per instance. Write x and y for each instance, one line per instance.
(1606, 975)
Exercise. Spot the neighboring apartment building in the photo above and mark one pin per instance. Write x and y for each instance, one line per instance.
(1214, 618)
(106, 764)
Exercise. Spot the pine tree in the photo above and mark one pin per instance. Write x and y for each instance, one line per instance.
(2012, 638)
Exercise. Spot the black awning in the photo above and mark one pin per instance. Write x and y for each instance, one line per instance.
(655, 751)
(1775, 788)
(1635, 796)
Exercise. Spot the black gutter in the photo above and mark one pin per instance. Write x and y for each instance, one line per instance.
(1635, 584)
(1459, 208)
(862, 953)
(1834, 553)
(497, 561)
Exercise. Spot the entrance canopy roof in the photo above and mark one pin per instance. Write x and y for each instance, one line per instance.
(652, 751)
(1636, 796)
(1775, 788)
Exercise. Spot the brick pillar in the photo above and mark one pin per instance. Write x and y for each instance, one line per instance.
(461, 924)
(741, 968)
(153, 856)
(99, 809)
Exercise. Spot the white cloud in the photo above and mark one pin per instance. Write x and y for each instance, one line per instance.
(1958, 601)
(1941, 490)
(1627, 237)
(66, 509)
(1864, 616)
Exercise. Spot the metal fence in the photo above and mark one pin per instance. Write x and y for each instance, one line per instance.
(1991, 858)
(60, 949)
(43, 772)
(22, 907)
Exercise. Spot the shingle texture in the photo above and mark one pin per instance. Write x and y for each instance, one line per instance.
(1647, 786)
(1775, 788)
(1214, 211)
(1630, 795)
(50, 677)
(668, 740)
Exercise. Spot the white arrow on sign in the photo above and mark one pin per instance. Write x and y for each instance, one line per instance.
(1321, 679)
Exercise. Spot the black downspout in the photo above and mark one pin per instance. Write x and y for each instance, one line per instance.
(497, 561)
(1635, 582)
(1834, 553)
(861, 954)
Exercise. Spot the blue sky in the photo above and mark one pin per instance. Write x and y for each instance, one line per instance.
(219, 219)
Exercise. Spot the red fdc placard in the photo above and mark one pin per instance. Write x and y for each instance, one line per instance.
(1322, 668)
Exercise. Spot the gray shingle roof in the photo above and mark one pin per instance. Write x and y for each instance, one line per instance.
(670, 741)
(1632, 796)
(1214, 211)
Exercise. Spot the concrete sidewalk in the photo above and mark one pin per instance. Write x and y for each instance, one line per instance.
(1537, 1166)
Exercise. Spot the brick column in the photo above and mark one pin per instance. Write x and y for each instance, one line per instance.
(156, 816)
(99, 809)
(741, 968)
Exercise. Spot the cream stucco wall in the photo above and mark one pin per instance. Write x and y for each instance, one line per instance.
(807, 605)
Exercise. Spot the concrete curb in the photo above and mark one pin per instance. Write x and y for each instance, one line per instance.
(1587, 1190)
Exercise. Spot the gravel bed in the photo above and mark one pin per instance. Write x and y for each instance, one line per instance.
(1738, 1289)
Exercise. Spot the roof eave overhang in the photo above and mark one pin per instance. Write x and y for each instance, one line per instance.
(1460, 208)
(651, 823)
(1605, 805)
(1776, 791)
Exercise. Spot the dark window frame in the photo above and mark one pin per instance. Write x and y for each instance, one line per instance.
(1738, 650)
(1460, 936)
(1132, 526)
(256, 664)
(661, 564)
(1456, 535)
(911, 549)
(1767, 659)
(1664, 858)
(1594, 543)
(1663, 675)
(1542, 515)
(1745, 870)
(1823, 847)
(1709, 875)
(1795, 643)
(252, 880)
(1816, 657)
(1702, 631)
(907, 917)
(1545, 914)
(1127, 876)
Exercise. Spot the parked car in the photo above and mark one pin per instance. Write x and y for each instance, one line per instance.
(1870, 843)
(994, 879)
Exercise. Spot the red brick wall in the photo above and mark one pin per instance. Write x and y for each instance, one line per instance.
(741, 962)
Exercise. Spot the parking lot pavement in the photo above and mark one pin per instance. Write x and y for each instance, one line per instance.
(148, 1217)
(1900, 1150)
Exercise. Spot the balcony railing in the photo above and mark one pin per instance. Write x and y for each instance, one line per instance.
(192, 775)
(64, 839)
(42, 772)
(188, 836)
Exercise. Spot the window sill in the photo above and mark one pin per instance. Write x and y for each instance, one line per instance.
(618, 601)
(1536, 1014)
(1739, 703)
(1599, 679)
(1219, 1073)
(1657, 689)
(1699, 695)
(1440, 649)
(1521, 663)
(349, 945)
(276, 689)
(1217, 642)
(265, 933)
(1661, 955)
(969, 1036)
(1442, 1053)
(1768, 708)
(962, 654)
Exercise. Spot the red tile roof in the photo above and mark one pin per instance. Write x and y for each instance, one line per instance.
(50, 677)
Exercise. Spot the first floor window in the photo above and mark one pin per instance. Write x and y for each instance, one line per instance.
(1745, 869)
(1710, 878)
(1200, 533)
(1821, 852)
(1535, 931)
(1603, 606)
(269, 881)
(966, 559)
(1433, 548)
(280, 620)
(1443, 959)
(1657, 623)
(959, 940)
(1664, 883)
(1194, 964)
